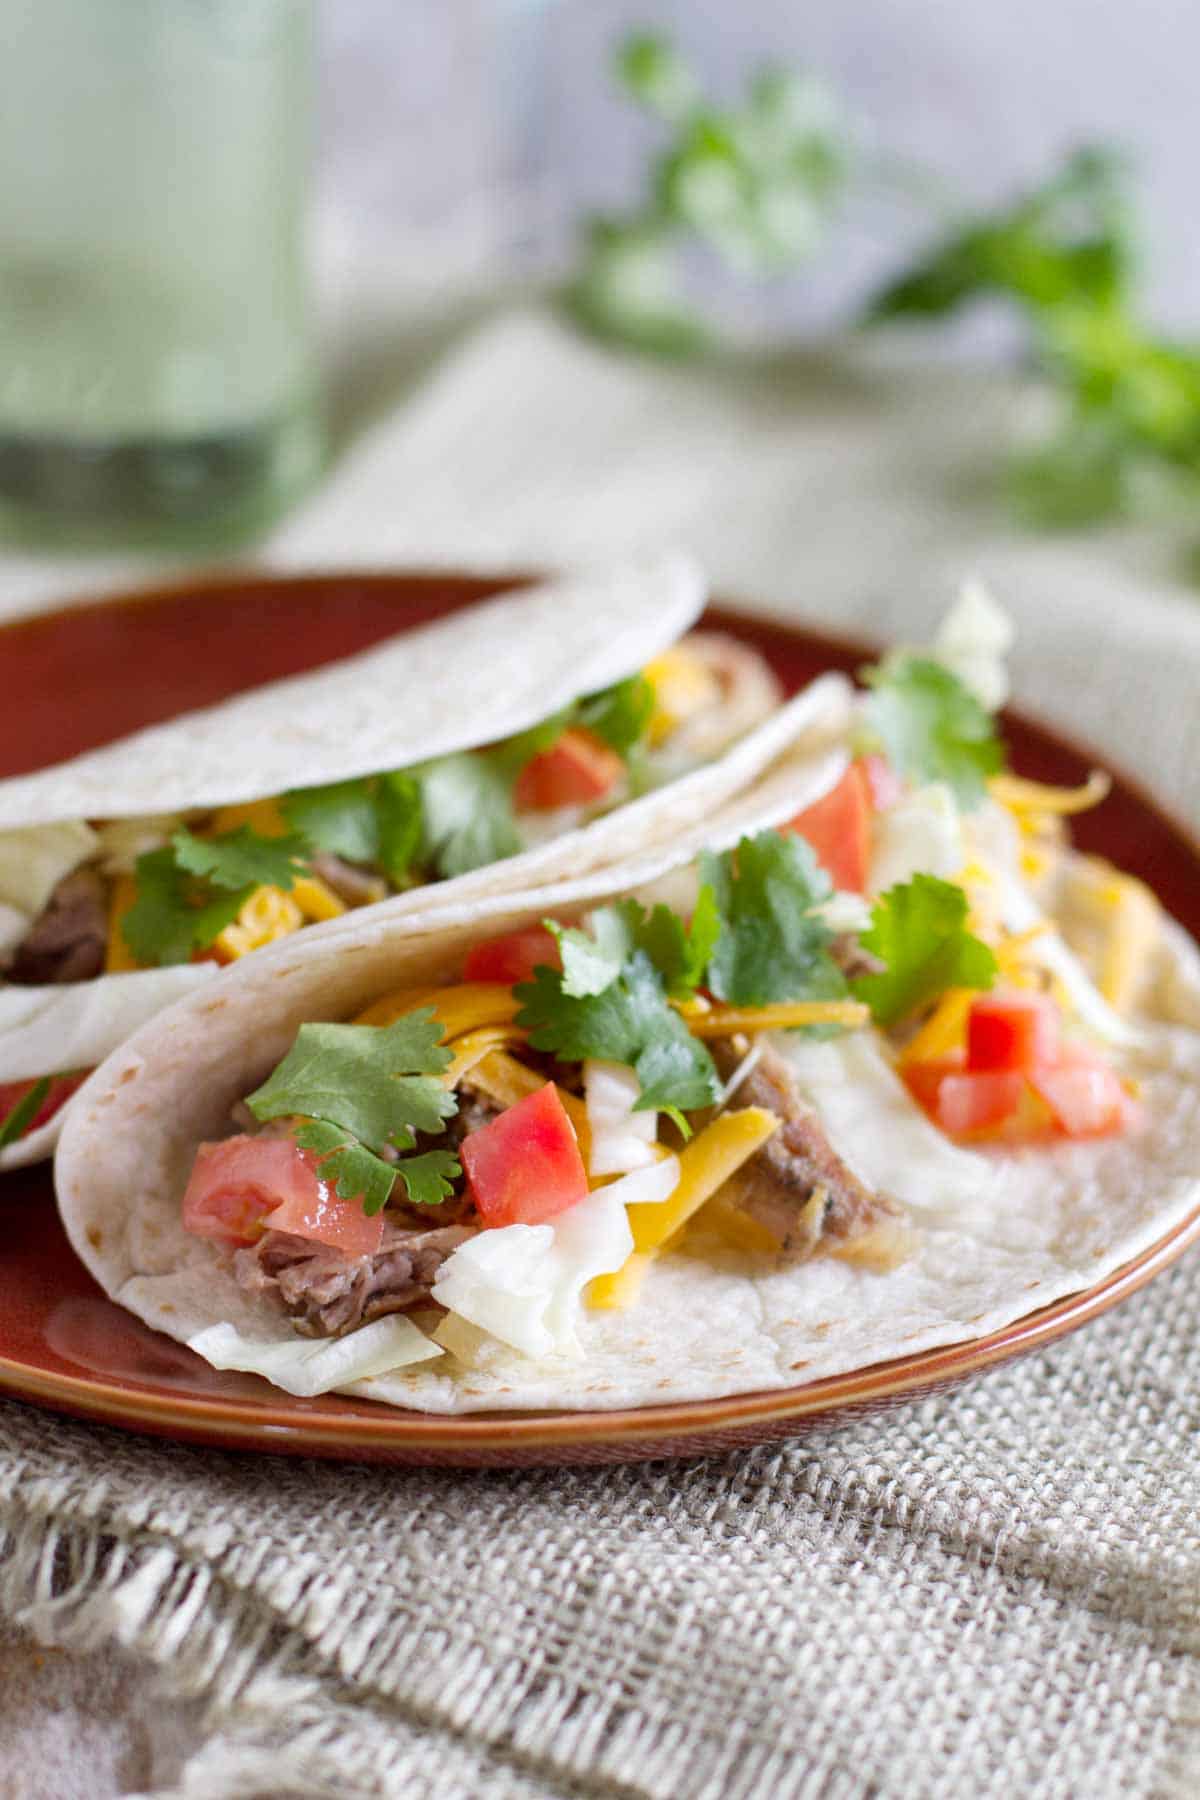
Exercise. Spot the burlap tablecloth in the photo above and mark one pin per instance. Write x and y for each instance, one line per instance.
(993, 1593)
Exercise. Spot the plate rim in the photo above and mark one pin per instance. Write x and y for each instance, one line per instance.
(268, 1426)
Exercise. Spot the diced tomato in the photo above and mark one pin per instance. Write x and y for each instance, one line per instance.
(975, 1101)
(57, 1094)
(579, 768)
(1012, 1030)
(839, 829)
(525, 1166)
(512, 958)
(1085, 1101)
(243, 1185)
(883, 783)
(924, 1079)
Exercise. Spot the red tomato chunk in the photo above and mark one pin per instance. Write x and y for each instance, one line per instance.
(1085, 1102)
(242, 1186)
(1012, 1030)
(579, 768)
(839, 829)
(512, 958)
(972, 1102)
(57, 1094)
(525, 1166)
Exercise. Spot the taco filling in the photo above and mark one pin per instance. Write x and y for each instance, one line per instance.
(731, 1063)
(83, 899)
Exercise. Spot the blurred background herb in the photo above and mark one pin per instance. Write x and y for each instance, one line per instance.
(757, 186)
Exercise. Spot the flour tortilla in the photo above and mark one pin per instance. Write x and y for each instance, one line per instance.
(468, 680)
(998, 1235)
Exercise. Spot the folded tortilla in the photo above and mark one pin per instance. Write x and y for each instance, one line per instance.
(999, 1233)
(472, 679)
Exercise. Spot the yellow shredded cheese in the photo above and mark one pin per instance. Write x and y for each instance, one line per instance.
(316, 899)
(1133, 928)
(268, 914)
(460, 1008)
(471, 1048)
(118, 956)
(736, 1226)
(683, 686)
(613, 1293)
(263, 816)
(784, 1015)
(944, 1029)
(1021, 796)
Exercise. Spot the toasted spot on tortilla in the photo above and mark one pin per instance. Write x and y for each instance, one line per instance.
(800, 1365)
(212, 1006)
(95, 1237)
(823, 1329)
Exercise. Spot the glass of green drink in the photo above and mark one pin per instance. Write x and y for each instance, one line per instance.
(157, 373)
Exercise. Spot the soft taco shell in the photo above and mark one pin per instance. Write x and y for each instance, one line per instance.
(998, 1236)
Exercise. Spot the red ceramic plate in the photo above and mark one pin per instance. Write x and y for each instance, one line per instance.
(79, 678)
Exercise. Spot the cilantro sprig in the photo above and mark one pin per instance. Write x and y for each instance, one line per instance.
(919, 932)
(363, 1090)
(771, 945)
(930, 726)
(754, 184)
(192, 888)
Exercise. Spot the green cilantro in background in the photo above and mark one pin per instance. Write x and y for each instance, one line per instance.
(679, 952)
(339, 819)
(919, 931)
(755, 184)
(242, 858)
(176, 913)
(21, 1116)
(772, 945)
(619, 714)
(930, 726)
(362, 1089)
(467, 810)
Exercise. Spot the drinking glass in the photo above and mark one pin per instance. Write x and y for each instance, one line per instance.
(157, 367)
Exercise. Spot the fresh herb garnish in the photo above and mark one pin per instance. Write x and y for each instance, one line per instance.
(340, 819)
(593, 958)
(467, 809)
(362, 1090)
(21, 1116)
(242, 858)
(919, 931)
(629, 1020)
(931, 727)
(772, 944)
(619, 714)
(176, 913)
(755, 184)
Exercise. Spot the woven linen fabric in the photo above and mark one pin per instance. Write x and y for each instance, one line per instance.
(989, 1593)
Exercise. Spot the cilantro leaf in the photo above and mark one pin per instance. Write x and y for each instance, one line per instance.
(680, 952)
(378, 1083)
(399, 818)
(630, 1021)
(174, 913)
(357, 1173)
(340, 818)
(429, 1177)
(592, 959)
(772, 946)
(619, 714)
(21, 1116)
(918, 929)
(931, 727)
(241, 858)
(468, 813)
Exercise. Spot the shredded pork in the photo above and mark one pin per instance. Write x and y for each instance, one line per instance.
(797, 1186)
(67, 941)
(327, 1293)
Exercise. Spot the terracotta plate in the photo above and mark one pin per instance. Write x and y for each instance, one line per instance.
(78, 678)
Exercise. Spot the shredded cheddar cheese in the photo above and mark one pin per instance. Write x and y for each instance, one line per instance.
(263, 816)
(784, 1015)
(460, 1008)
(683, 686)
(316, 900)
(268, 914)
(1021, 796)
(471, 1048)
(704, 1165)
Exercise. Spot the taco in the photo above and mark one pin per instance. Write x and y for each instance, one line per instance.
(539, 735)
(867, 1062)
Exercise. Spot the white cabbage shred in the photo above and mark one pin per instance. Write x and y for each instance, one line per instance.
(524, 1283)
(621, 1139)
(307, 1366)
